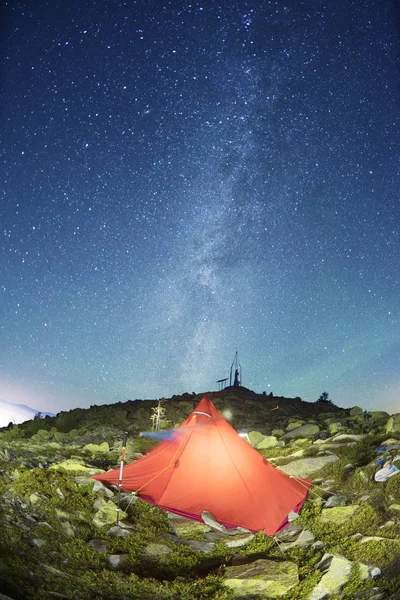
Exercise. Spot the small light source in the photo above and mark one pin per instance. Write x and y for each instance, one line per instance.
(227, 414)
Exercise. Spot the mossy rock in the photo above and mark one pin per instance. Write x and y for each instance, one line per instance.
(96, 448)
(378, 417)
(393, 424)
(75, 465)
(356, 410)
(186, 529)
(294, 425)
(307, 466)
(261, 579)
(107, 515)
(335, 427)
(302, 442)
(269, 441)
(255, 438)
(304, 431)
(42, 435)
(337, 576)
(338, 514)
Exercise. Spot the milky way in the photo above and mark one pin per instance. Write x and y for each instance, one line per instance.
(183, 181)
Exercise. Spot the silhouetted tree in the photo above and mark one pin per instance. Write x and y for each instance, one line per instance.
(324, 397)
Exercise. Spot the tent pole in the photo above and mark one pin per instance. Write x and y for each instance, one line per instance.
(120, 471)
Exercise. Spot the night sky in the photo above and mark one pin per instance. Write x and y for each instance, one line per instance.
(183, 179)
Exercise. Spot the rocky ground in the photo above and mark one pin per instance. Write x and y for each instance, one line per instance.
(60, 538)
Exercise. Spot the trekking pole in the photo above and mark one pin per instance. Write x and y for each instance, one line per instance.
(121, 468)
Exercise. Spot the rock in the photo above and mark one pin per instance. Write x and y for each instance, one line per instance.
(212, 522)
(184, 528)
(334, 501)
(157, 550)
(83, 480)
(255, 438)
(374, 538)
(387, 524)
(339, 514)
(73, 464)
(96, 448)
(306, 538)
(238, 559)
(98, 486)
(117, 561)
(262, 578)
(290, 533)
(34, 499)
(99, 503)
(378, 417)
(343, 437)
(107, 515)
(269, 441)
(238, 541)
(54, 571)
(337, 572)
(318, 545)
(121, 532)
(301, 442)
(356, 410)
(335, 428)
(292, 516)
(306, 466)
(304, 431)
(393, 424)
(278, 432)
(99, 545)
(294, 425)
(394, 507)
(67, 528)
(205, 547)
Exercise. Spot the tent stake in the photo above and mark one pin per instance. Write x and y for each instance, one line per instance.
(121, 468)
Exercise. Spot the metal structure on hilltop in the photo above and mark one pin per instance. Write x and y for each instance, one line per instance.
(221, 383)
(235, 377)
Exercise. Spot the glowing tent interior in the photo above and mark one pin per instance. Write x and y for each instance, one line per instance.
(207, 466)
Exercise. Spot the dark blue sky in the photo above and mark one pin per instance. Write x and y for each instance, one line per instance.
(183, 181)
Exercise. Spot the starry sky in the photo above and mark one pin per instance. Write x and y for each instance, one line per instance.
(184, 179)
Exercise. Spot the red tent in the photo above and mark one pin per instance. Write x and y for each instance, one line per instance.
(207, 466)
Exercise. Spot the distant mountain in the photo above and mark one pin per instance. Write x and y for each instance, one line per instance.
(18, 413)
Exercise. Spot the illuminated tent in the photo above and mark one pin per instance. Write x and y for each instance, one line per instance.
(207, 466)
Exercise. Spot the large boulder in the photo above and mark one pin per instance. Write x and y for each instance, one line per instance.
(304, 431)
(263, 578)
(75, 465)
(336, 427)
(96, 448)
(337, 574)
(393, 424)
(307, 466)
(261, 441)
(356, 410)
(378, 417)
(294, 425)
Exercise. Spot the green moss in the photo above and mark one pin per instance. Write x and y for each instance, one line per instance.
(77, 556)
(355, 584)
(55, 490)
(380, 553)
(261, 544)
(149, 517)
